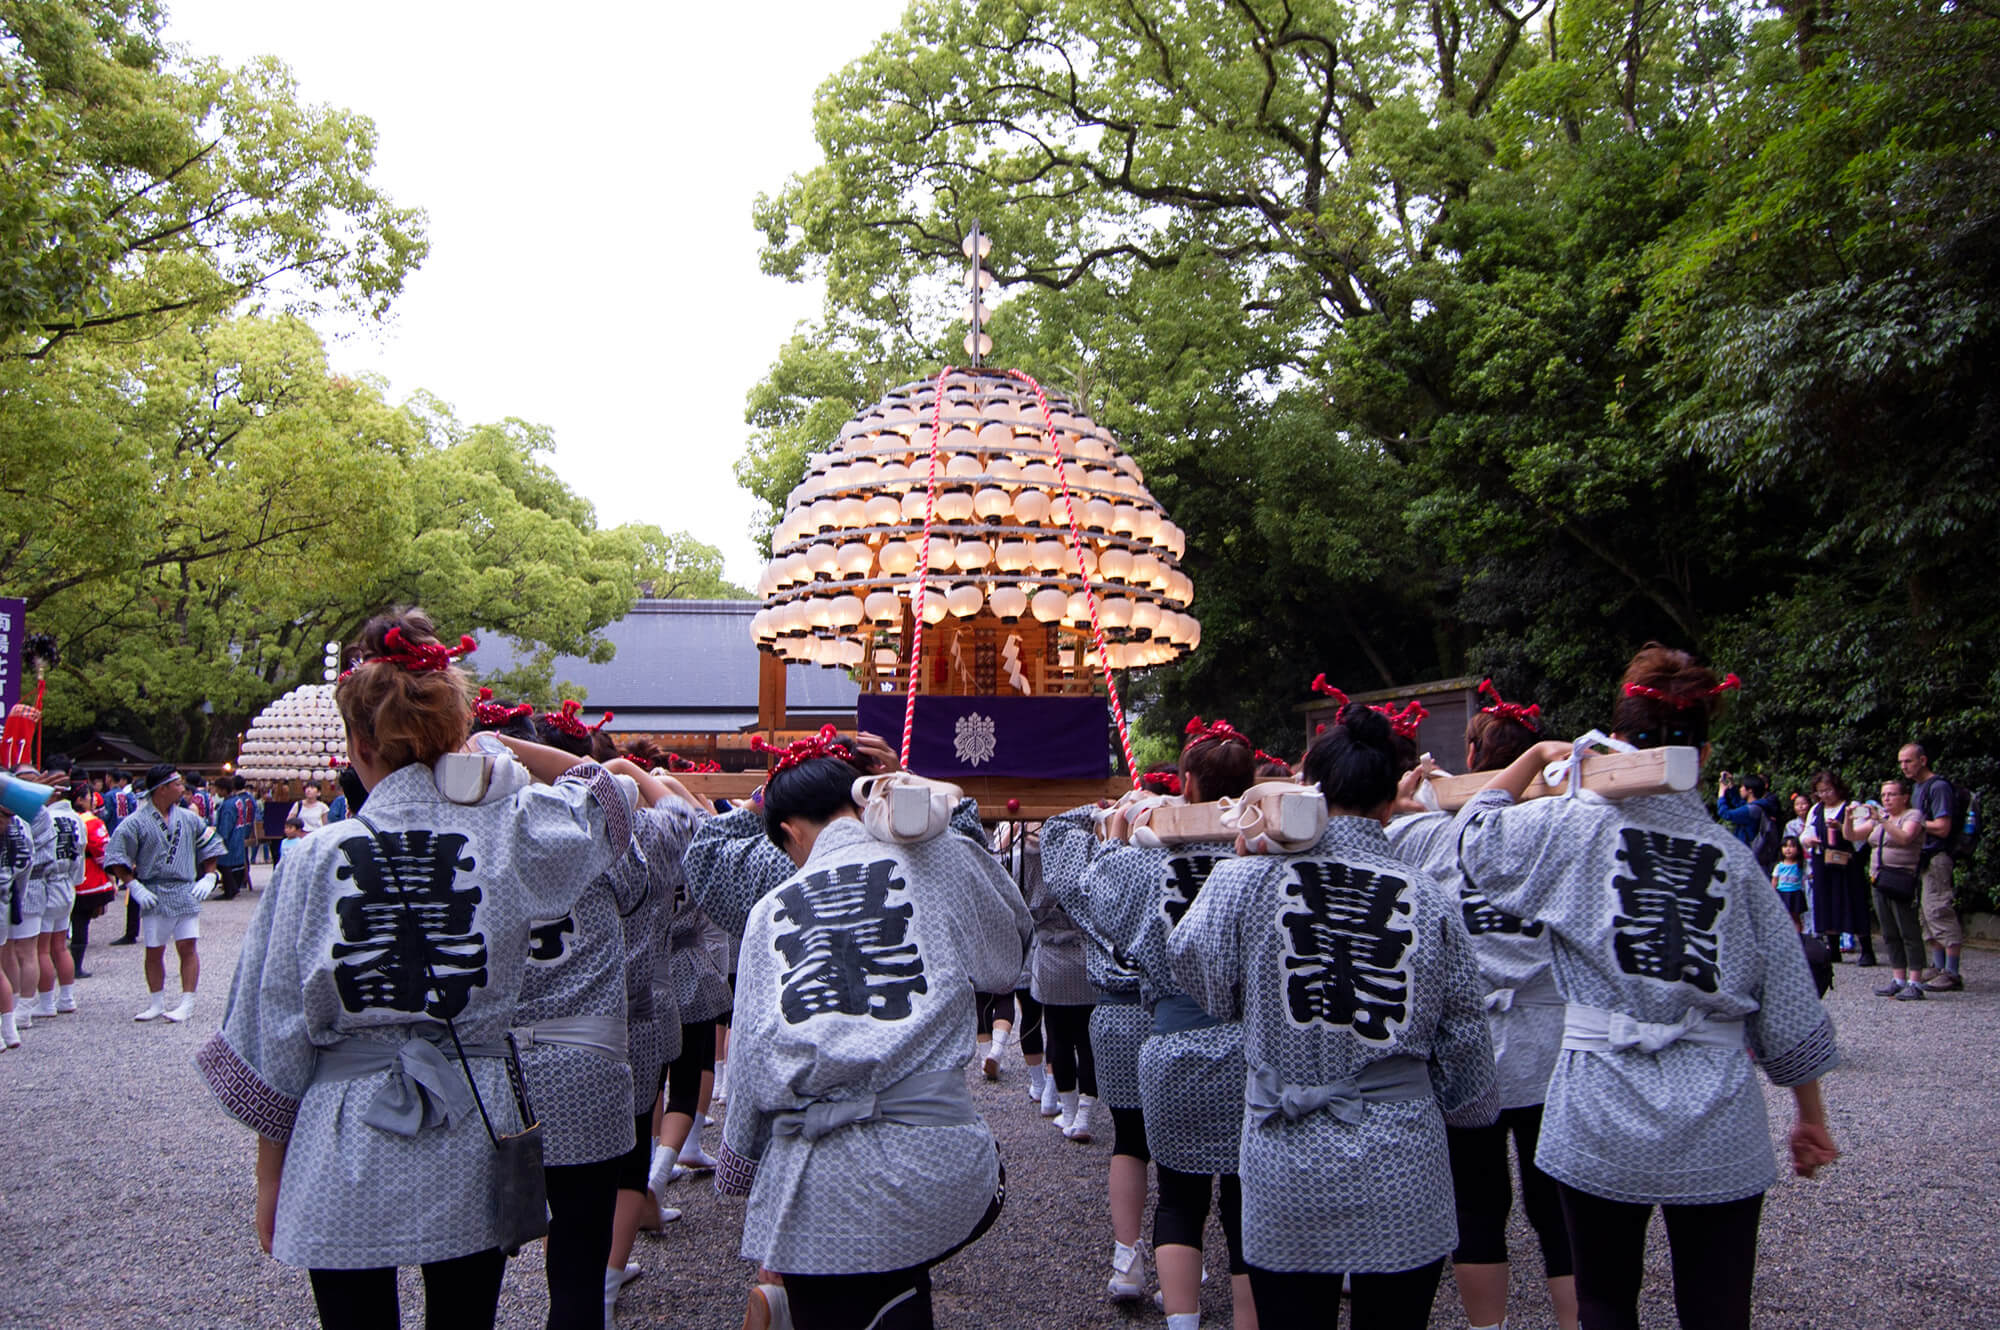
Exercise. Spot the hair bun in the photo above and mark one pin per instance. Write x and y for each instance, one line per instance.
(1365, 725)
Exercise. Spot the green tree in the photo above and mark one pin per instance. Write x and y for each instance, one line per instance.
(141, 189)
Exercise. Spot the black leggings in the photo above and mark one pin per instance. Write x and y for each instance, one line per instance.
(1029, 1031)
(1070, 1058)
(1713, 1249)
(1181, 1217)
(581, 1200)
(460, 1294)
(1128, 1134)
(684, 1072)
(992, 1007)
(889, 1300)
(1485, 1195)
(1398, 1301)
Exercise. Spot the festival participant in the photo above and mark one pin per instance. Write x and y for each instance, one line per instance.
(1674, 956)
(852, 1131)
(1359, 998)
(1118, 1027)
(570, 1027)
(731, 866)
(67, 866)
(1524, 1016)
(234, 817)
(97, 889)
(701, 995)
(1191, 1065)
(17, 861)
(166, 855)
(391, 947)
(24, 945)
(661, 834)
(1056, 981)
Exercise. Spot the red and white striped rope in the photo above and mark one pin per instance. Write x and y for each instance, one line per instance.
(924, 568)
(1075, 534)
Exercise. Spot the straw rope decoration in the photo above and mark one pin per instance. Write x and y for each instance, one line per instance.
(1075, 535)
(924, 567)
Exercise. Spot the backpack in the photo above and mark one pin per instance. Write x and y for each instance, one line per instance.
(1963, 837)
(1767, 844)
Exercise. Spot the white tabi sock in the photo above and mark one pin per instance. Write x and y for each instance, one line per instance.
(692, 1155)
(183, 1009)
(1001, 1038)
(157, 1008)
(662, 1167)
(66, 998)
(1079, 1120)
(1036, 1075)
(1184, 1321)
(1050, 1097)
(1067, 1098)
(9, 1035)
(721, 1090)
(45, 1005)
(613, 1281)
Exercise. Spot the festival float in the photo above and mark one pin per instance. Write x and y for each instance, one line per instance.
(298, 738)
(986, 560)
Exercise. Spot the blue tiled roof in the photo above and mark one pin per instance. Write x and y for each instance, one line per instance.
(684, 665)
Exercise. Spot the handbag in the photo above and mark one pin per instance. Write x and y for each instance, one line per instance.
(1898, 884)
(520, 1200)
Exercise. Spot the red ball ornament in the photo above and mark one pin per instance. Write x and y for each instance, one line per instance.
(1013, 808)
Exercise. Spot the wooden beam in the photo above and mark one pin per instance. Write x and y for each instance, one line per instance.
(770, 691)
(1039, 799)
(1613, 775)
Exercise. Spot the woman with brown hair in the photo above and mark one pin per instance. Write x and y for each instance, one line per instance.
(1191, 1065)
(372, 1116)
(1524, 1014)
(1674, 957)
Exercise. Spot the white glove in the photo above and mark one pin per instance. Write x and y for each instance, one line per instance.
(144, 895)
(204, 887)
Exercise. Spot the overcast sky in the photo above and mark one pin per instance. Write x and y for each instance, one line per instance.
(588, 172)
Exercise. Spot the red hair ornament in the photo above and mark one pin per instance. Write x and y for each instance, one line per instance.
(568, 719)
(824, 744)
(1529, 716)
(1197, 730)
(675, 762)
(1405, 723)
(1161, 782)
(1684, 701)
(418, 657)
(496, 714)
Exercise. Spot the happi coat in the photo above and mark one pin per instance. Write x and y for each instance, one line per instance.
(1056, 966)
(1660, 915)
(166, 853)
(651, 875)
(331, 957)
(1119, 1024)
(1334, 959)
(856, 976)
(1190, 1065)
(1524, 1012)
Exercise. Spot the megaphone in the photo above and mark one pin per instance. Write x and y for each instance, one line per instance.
(23, 798)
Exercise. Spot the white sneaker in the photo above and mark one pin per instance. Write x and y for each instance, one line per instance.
(1128, 1280)
(182, 1009)
(159, 1008)
(1079, 1122)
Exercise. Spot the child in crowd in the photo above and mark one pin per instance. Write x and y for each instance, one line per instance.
(1788, 875)
(295, 829)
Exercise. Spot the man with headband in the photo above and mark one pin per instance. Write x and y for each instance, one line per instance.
(167, 854)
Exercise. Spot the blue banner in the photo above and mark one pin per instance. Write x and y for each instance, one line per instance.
(1048, 738)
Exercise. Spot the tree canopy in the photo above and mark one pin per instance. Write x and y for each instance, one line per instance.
(1469, 338)
(191, 499)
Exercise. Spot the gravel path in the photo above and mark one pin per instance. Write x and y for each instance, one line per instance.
(131, 1194)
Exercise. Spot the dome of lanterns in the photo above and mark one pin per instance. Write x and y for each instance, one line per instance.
(298, 737)
(841, 586)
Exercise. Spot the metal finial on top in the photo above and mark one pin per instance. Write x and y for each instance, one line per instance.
(976, 246)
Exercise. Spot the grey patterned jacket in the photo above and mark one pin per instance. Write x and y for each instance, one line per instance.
(1335, 959)
(856, 975)
(1069, 845)
(1656, 912)
(329, 957)
(1524, 1012)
